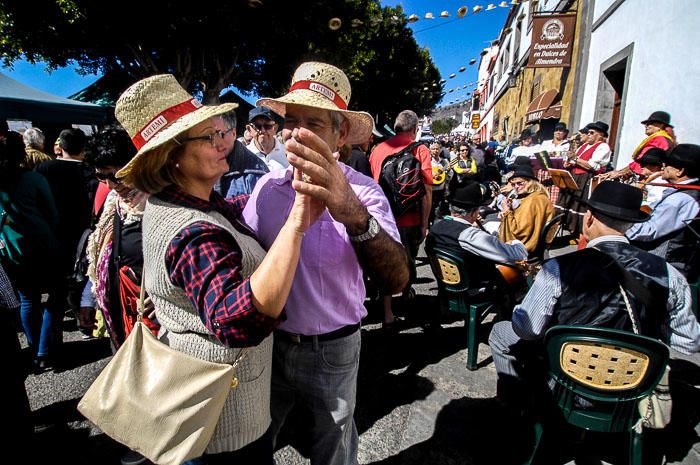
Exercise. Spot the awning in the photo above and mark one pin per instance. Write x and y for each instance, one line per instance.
(542, 107)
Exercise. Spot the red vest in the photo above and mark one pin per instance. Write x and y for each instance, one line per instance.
(585, 153)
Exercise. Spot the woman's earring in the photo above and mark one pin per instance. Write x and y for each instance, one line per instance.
(177, 165)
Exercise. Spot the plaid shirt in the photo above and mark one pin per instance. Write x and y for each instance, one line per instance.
(8, 299)
(204, 261)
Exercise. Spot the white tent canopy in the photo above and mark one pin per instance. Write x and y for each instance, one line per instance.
(21, 102)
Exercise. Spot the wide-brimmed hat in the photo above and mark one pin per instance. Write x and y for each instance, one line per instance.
(157, 109)
(653, 156)
(684, 156)
(618, 200)
(659, 117)
(584, 130)
(523, 171)
(600, 127)
(470, 195)
(320, 85)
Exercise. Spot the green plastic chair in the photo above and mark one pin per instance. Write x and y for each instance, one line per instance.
(469, 284)
(598, 376)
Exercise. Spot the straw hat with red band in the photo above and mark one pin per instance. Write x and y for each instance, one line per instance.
(157, 109)
(320, 85)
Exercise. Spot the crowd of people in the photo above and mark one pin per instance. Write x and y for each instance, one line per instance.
(268, 241)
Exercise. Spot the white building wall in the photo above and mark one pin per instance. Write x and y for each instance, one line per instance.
(663, 73)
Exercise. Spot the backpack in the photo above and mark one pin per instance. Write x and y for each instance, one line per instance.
(10, 239)
(401, 180)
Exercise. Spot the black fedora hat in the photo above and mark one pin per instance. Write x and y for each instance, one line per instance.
(470, 195)
(600, 127)
(684, 156)
(653, 156)
(619, 201)
(521, 160)
(659, 117)
(523, 171)
(584, 130)
(560, 127)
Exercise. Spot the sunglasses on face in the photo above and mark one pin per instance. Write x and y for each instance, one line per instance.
(104, 177)
(463, 150)
(263, 127)
(211, 138)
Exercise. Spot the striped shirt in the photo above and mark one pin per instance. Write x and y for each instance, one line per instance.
(531, 318)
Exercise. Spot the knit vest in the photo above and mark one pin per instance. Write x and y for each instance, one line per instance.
(246, 413)
(679, 247)
(591, 294)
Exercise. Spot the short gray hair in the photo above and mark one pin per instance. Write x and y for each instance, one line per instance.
(229, 119)
(406, 121)
(459, 211)
(620, 226)
(337, 119)
(34, 138)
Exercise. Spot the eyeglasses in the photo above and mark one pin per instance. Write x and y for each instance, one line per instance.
(463, 150)
(209, 137)
(104, 177)
(517, 183)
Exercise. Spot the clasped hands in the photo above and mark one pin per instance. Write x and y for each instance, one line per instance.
(324, 184)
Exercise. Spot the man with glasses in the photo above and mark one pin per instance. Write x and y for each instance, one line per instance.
(261, 123)
(245, 168)
(659, 132)
(590, 160)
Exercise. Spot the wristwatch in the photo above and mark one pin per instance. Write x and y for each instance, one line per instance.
(372, 230)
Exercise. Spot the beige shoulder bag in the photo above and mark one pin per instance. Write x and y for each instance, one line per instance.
(156, 400)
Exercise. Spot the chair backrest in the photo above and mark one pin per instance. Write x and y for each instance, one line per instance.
(449, 269)
(547, 235)
(599, 374)
(460, 271)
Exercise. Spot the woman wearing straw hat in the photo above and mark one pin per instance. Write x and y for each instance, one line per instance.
(525, 223)
(214, 288)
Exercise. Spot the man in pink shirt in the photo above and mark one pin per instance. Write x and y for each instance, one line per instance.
(316, 351)
(413, 225)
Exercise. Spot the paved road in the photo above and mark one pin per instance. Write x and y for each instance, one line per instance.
(417, 403)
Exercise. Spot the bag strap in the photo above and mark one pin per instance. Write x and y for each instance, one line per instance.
(139, 319)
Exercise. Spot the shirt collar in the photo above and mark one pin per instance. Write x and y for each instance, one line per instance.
(173, 194)
(600, 239)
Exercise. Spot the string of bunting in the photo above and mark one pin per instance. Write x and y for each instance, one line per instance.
(336, 23)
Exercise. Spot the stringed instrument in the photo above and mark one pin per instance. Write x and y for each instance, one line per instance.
(440, 173)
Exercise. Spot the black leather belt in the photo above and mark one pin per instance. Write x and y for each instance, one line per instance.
(337, 334)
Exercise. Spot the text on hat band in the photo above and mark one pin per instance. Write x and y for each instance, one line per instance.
(321, 89)
(163, 119)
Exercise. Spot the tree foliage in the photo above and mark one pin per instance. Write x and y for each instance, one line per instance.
(254, 45)
(444, 125)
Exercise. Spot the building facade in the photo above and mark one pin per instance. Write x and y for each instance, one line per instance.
(638, 58)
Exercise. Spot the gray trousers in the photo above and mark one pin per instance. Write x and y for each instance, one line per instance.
(322, 375)
(503, 341)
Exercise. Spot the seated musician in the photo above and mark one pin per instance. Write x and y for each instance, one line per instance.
(666, 233)
(590, 160)
(526, 222)
(651, 166)
(440, 171)
(461, 231)
(559, 142)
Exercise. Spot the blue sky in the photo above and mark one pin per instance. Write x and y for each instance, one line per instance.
(451, 43)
